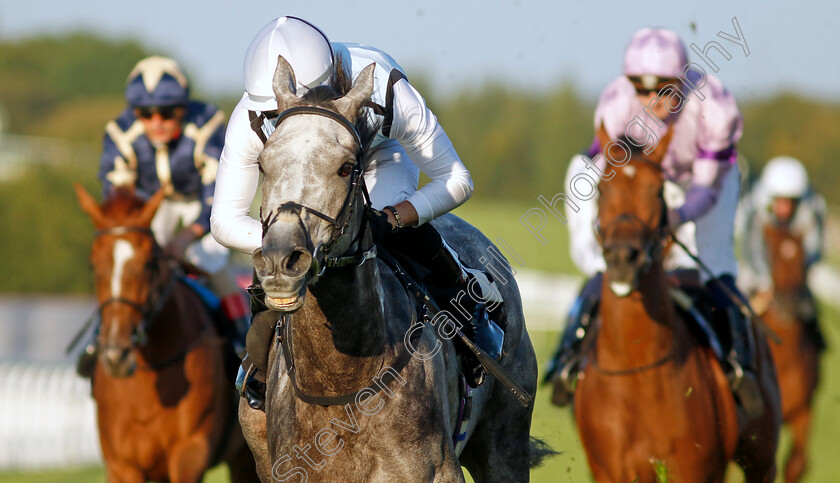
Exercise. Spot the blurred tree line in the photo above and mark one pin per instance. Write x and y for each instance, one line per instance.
(517, 144)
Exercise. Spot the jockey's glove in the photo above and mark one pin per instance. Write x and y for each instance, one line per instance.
(380, 227)
(177, 246)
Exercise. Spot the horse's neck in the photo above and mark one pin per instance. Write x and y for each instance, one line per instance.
(639, 327)
(340, 331)
(178, 323)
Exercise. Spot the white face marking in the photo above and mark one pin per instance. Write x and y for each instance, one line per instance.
(622, 289)
(123, 252)
(789, 249)
(630, 171)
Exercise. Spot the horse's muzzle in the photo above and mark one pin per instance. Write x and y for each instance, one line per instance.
(118, 361)
(624, 262)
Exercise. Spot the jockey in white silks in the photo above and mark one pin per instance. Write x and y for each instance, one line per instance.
(410, 140)
(659, 90)
(782, 196)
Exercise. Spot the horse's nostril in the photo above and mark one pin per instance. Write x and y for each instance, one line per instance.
(297, 262)
(633, 254)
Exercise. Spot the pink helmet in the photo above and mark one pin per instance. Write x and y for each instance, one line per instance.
(658, 52)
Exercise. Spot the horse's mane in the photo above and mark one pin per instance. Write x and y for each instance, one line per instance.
(122, 201)
(340, 84)
(635, 150)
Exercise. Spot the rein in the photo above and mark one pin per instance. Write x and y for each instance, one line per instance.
(635, 370)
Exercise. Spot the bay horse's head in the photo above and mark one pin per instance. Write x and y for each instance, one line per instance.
(312, 208)
(632, 215)
(123, 257)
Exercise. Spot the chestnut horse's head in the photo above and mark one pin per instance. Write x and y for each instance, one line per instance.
(124, 264)
(632, 214)
(786, 257)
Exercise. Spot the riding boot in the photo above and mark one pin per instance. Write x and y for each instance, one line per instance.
(807, 312)
(249, 386)
(250, 382)
(472, 306)
(456, 290)
(563, 366)
(86, 362)
(740, 360)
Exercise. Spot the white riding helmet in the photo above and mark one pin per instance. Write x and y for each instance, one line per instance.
(656, 52)
(302, 44)
(785, 177)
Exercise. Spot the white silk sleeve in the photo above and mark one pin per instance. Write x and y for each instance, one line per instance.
(236, 184)
(417, 129)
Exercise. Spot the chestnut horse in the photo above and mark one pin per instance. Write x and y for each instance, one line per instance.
(653, 400)
(166, 409)
(797, 357)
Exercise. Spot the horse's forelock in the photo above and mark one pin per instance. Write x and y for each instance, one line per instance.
(122, 202)
(339, 85)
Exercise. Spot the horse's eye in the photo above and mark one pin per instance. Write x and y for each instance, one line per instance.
(345, 169)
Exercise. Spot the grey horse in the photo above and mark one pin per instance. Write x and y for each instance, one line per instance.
(360, 389)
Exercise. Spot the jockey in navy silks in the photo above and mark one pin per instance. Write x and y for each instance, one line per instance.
(164, 140)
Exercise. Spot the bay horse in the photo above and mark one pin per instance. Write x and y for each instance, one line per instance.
(166, 409)
(359, 388)
(652, 400)
(798, 356)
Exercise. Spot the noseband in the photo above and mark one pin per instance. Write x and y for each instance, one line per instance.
(321, 259)
(148, 312)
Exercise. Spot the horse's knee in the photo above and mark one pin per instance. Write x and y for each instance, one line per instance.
(121, 473)
(189, 460)
(253, 425)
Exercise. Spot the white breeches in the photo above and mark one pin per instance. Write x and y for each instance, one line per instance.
(205, 253)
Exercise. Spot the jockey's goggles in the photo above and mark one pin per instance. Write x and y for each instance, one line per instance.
(166, 113)
(645, 84)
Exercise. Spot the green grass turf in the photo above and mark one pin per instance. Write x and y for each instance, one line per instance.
(501, 219)
(556, 427)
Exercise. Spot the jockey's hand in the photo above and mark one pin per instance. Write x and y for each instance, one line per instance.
(380, 226)
(177, 246)
(674, 220)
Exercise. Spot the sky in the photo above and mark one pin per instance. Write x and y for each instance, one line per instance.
(455, 44)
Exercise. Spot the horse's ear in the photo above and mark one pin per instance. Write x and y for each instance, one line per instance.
(90, 206)
(658, 153)
(349, 105)
(150, 208)
(284, 84)
(603, 137)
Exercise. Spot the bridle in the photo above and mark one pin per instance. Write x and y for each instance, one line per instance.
(148, 311)
(321, 256)
(653, 237)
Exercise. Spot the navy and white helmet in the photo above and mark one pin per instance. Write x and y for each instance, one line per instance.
(157, 81)
(304, 46)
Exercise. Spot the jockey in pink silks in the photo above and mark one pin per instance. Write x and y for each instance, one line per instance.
(660, 90)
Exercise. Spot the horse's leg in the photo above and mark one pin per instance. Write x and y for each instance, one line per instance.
(499, 448)
(118, 472)
(800, 425)
(253, 424)
(188, 459)
(756, 452)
